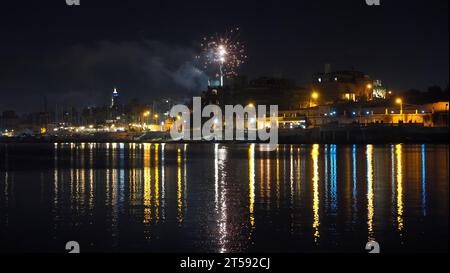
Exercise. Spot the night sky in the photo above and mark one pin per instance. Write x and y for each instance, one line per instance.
(76, 55)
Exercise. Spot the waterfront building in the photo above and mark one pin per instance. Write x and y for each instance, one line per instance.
(337, 86)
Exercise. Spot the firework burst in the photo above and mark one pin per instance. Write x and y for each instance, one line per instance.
(224, 52)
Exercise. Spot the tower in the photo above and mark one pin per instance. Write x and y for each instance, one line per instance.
(114, 98)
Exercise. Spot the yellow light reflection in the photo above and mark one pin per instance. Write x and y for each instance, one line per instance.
(370, 207)
(277, 188)
(185, 174)
(179, 190)
(267, 187)
(147, 185)
(261, 172)
(157, 182)
(316, 202)
(398, 153)
(251, 183)
(163, 186)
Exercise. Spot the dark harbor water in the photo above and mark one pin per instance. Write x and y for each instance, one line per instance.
(223, 198)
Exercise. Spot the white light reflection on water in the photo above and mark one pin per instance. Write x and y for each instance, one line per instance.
(370, 193)
(221, 196)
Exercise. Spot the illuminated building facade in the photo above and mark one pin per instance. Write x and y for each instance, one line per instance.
(343, 86)
(379, 91)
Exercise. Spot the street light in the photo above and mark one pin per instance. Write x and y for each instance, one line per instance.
(146, 114)
(314, 96)
(400, 102)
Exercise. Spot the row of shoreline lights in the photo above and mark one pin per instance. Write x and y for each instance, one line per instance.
(147, 114)
(314, 96)
(399, 101)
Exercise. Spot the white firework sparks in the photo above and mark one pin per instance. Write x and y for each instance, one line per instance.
(223, 51)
